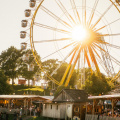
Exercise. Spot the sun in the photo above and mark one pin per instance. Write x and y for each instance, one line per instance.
(79, 33)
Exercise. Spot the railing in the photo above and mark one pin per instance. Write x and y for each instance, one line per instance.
(95, 117)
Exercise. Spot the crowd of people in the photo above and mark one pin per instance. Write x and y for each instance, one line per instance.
(17, 115)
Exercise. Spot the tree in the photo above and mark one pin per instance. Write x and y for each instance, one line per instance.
(5, 88)
(9, 60)
(97, 84)
(28, 67)
(50, 65)
(82, 74)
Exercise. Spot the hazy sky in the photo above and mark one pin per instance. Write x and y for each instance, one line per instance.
(11, 14)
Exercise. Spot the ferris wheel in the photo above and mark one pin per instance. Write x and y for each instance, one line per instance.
(83, 33)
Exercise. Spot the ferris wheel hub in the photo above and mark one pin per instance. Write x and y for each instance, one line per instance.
(83, 34)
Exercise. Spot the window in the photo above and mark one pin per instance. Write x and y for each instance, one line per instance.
(76, 109)
(45, 106)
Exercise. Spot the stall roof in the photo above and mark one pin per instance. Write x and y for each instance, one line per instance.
(48, 97)
(71, 95)
(105, 96)
(25, 96)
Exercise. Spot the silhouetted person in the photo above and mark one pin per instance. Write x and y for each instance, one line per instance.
(1, 116)
(7, 116)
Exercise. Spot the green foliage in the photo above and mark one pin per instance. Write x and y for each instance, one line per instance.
(39, 118)
(60, 72)
(13, 64)
(97, 84)
(28, 67)
(21, 89)
(4, 86)
(9, 61)
(50, 65)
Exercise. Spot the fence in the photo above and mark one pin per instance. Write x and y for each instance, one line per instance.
(95, 117)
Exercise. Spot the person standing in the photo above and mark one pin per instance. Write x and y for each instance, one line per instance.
(20, 111)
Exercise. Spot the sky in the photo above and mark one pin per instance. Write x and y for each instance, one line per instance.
(11, 14)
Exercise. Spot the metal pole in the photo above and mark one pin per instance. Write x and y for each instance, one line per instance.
(8, 103)
(27, 107)
(24, 106)
(112, 107)
(93, 107)
(30, 106)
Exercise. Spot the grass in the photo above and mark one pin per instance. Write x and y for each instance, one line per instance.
(37, 118)
(40, 118)
(22, 89)
(11, 117)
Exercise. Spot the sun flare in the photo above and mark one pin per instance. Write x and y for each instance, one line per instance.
(79, 33)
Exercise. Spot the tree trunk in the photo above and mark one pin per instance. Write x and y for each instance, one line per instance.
(12, 81)
(28, 82)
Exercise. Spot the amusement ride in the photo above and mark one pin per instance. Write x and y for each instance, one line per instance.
(83, 33)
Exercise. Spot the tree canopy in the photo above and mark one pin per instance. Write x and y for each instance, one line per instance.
(51, 66)
(5, 88)
(15, 63)
(97, 84)
(28, 67)
(9, 60)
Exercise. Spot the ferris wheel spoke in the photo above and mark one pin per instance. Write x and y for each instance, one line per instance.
(117, 34)
(92, 12)
(115, 60)
(102, 16)
(95, 51)
(107, 25)
(52, 28)
(54, 40)
(115, 5)
(72, 67)
(58, 50)
(62, 61)
(107, 53)
(55, 17)
(67, 69)
(100, 48)
(114, 46)
(84, 12)
(75, 11)
(87, 58)
(101, 42)
(93, 58)
(106, 66)
(70, 18)
(103, 65)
